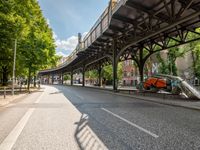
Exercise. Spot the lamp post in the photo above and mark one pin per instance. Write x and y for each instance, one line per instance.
(14, 62)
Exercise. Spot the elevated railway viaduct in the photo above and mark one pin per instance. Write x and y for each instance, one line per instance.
(132, 29)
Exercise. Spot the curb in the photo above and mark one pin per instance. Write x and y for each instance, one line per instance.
(160, 102)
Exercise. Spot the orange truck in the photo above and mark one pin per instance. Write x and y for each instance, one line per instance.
(155, 83)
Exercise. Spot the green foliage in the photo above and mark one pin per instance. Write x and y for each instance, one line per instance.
(23, 20)
(195, 50)
(169, 66)
(66, 77)
(92, 74)
(119, 71)
(107, 72)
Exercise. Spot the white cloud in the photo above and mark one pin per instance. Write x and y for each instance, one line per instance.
(67, 45)
(61, 54)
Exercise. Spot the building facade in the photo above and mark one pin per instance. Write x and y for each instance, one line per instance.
(184, 65)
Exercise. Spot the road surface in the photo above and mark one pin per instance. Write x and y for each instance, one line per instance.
(70, 118)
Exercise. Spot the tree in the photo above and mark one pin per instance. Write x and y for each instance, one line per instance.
(107, 72)
(9, 28)
(195, 51)
(92, 74)
(169, 66)
(66, 77)
(23, 20)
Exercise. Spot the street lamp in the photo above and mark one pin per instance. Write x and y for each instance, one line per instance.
(14, 62)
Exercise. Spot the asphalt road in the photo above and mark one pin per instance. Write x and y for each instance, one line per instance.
(70, 118)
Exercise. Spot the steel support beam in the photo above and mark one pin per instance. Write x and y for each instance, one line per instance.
(141, 65)
(150, 35)
(71, 77)
(48, 79)
(83, 78)
(62, 79)
(52, 78)
(114, 65)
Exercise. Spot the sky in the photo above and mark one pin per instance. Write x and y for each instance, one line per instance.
(69, 17)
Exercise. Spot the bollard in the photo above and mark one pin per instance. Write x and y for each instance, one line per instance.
(4, 92)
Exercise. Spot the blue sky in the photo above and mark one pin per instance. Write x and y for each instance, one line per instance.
(68, 17)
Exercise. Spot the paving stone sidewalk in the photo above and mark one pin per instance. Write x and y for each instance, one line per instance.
(10, 98)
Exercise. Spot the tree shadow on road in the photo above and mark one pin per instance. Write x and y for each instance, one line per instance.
(97, 125)
(85, 137)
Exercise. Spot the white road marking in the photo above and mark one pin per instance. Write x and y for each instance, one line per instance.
(80, 97)
(132, 124)
(10, 140)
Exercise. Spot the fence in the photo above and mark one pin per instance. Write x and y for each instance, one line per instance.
(8, 90)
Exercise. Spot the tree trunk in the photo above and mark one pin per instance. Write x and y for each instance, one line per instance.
(29, 78)
(34, 79)
(5, 75)
(141, 71)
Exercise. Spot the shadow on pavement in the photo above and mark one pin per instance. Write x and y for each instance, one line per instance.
(85, 137)
(96, 123)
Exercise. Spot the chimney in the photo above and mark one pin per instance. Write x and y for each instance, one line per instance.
(79, 38)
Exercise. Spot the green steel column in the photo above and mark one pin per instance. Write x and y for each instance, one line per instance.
(48, 82)
(83, 72)
(114, 65)
(62, 74)
(72, 77)
(52, 76)
(141, 66)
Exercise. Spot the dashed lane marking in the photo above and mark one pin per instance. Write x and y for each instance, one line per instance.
(130, 123)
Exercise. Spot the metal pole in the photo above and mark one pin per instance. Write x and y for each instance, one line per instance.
(13, 77)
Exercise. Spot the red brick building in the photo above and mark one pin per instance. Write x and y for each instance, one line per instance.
(130, 74)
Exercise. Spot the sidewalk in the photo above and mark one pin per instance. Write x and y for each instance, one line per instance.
(9, 98)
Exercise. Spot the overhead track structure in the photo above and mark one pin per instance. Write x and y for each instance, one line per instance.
(133, 29)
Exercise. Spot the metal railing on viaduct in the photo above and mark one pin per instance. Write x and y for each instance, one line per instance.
(132, 29)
